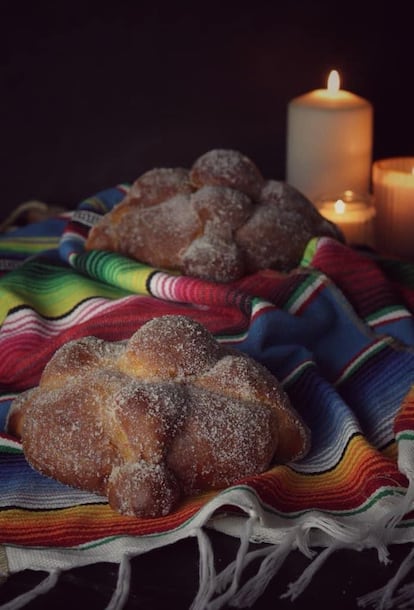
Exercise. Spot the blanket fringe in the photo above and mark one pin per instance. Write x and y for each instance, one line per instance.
(406, 466)
(121, 592)
(224, 588)
(405, 597)
(250, 592)
(43, 587)
(217, 590)
(231, 574)
(297, 587)
(207, 573)
(382, 599)
(210, 583)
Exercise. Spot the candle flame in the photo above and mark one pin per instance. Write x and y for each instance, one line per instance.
(334, 81)
(340, 206)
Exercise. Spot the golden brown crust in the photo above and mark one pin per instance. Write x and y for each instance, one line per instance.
(221, 167)
(160, 184)
(222, 440)
(282, 223)
(78, 357)
(170, 347)
(242, 378)
(168, 413)
(17, 412)
(219, 221)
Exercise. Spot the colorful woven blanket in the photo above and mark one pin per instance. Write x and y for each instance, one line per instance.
(338, 332)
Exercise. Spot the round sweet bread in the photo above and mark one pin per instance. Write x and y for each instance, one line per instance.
(145, 422)
(219, 220)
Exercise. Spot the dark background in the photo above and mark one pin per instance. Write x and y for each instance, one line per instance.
(93, 94)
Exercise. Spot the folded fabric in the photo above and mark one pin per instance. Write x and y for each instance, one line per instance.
(338, 332)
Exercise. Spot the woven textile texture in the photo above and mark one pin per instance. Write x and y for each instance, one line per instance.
(338, 333)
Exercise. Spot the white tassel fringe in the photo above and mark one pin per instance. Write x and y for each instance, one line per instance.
(43, 587)
(382, 599)
(121, 592)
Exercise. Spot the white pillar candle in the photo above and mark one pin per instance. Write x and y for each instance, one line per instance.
(393, 189)
(329, 141)
(352, 213)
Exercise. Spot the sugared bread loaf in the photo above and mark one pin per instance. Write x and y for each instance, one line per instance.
(219, 220)
(168, 413)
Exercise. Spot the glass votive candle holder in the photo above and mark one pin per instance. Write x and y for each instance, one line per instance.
(353, 213)
(393, 191)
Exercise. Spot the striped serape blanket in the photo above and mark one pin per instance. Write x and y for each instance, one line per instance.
(338, 332)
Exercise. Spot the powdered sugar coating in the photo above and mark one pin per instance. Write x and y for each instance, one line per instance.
(64, 439)
(160, 233)
(274, 230)
(244, 379)
(152, 188)
(223, 167)
(142, 488)
(285, 221)
(158, 184)
(170, 347)
(79, 356)
(295, 211)
(219, 221)
(168, 413)
(214, 448)
(224, 207)
(212, 256)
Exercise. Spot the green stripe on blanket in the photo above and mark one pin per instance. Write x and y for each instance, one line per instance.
(339, 334)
